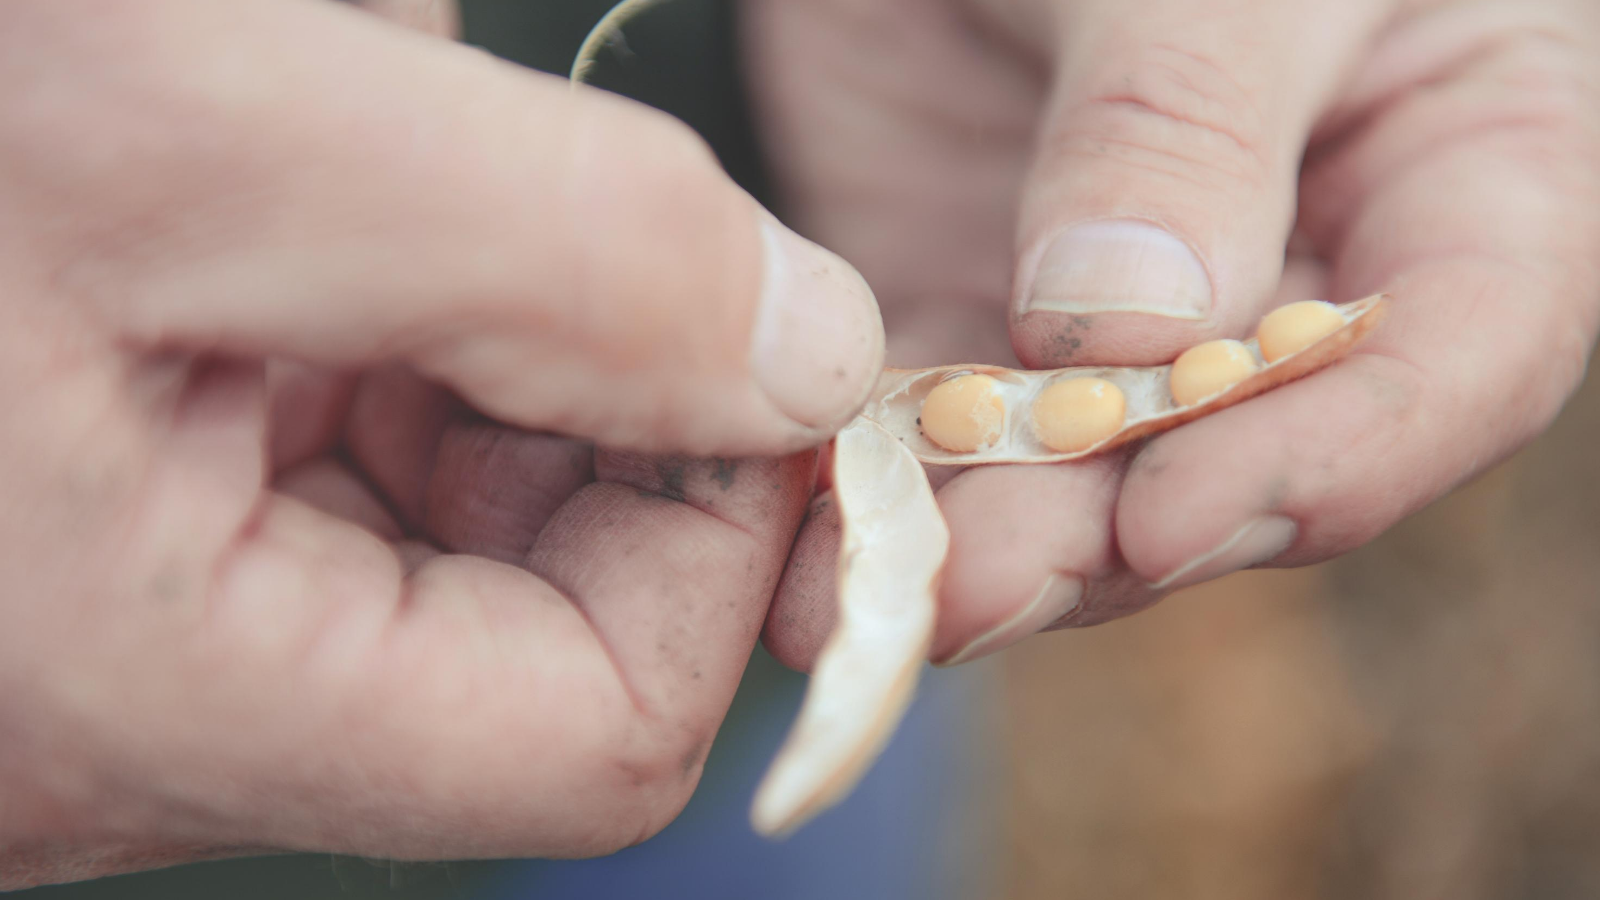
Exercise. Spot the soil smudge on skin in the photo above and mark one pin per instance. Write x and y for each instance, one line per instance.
(672, 472)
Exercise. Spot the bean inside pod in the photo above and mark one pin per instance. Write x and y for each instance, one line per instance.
(894, 538)
(1207, 378)
(1070, 414)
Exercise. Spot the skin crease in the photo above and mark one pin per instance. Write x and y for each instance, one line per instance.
(265, 629)
(293, 559)
(1441, 151)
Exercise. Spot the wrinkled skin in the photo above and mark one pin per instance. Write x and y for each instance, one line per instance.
(293, 298)
(292, 560)
(1446, 152)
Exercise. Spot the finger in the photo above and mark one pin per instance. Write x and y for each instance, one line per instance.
(493, 489)
(1030, 547)
(467, 484)
(396, 423)
(1163, 186)
(753, 502)
(568, 261)
(306, 406)
(1487, 235)
(1026, 542)
(330, 486)
(436, 17)
(805, 608)
(566, 716)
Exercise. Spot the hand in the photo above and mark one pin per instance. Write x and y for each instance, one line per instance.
(297, 303)
(1137, 178)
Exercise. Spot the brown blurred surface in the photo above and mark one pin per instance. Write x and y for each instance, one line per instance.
(1419, 719)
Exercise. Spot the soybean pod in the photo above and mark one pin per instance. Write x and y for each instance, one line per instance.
(894, 539)
(968, 415)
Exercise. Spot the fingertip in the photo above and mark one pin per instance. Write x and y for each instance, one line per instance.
(1025, 542)
(1163, 188)
(1117, 265)
(1130, 292)
(714, 328)
(1056, 340)
(818, 342)
(1261, 539)
(1292, 477)
(1184, 503)
(1057, 598)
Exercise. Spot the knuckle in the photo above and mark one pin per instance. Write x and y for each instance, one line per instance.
(1548, 71)
(1171, 111)
(1533, 91)
(645, 777)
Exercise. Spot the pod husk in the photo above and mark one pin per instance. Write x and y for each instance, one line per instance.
(897, 402)
(891, 554)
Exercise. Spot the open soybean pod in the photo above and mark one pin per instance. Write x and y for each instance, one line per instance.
(981, 415)
(891, 555)
(894, 538)
(892, 552)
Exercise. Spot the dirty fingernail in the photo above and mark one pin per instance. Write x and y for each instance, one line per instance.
(1060, 595)
(818, 335)
(1120, 266)
(1257, 541)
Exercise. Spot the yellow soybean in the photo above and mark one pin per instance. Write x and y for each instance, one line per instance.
(1290, 329)
(1078, 413)
(1210, 368)
(964, 414)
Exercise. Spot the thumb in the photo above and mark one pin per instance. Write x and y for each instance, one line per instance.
(436, 17)
(1163, 187)
(335, 189)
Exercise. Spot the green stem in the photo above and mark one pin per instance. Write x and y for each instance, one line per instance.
(601, 34)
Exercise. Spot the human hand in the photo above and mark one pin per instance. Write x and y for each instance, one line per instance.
(1444, 152)
(285, 284)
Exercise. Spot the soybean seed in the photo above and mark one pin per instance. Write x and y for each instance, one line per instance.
(1290, 329)
(1208, 369)
(1077, 413)
(964, 414)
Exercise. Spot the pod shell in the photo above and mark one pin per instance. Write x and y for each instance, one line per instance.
(896, 404)
(891, 554)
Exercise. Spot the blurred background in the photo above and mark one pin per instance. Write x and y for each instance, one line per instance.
(1419, 719)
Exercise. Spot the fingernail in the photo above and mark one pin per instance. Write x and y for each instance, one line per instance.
(1257, 541)
(818, 336)
(1060, 595)
(1120, 266)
